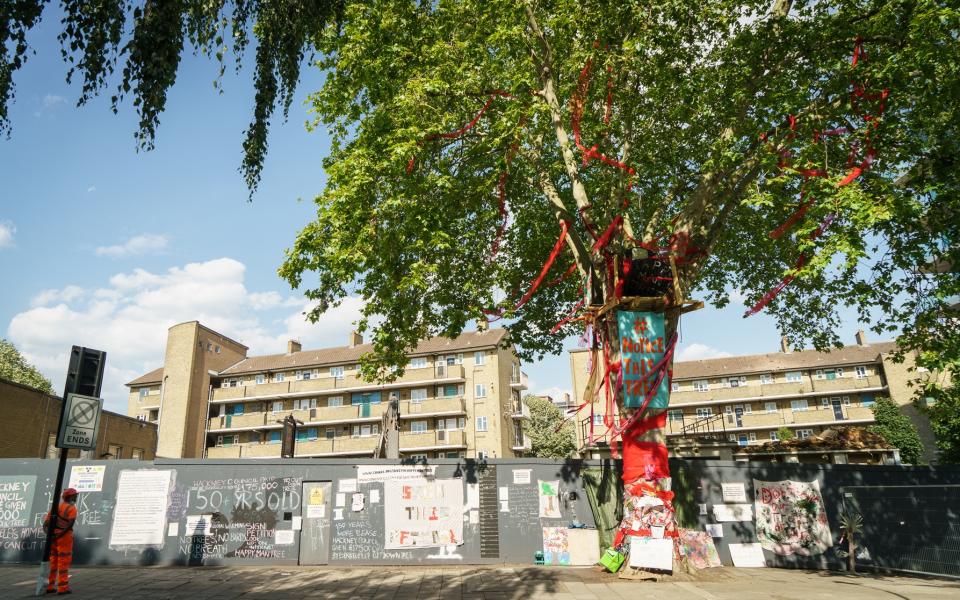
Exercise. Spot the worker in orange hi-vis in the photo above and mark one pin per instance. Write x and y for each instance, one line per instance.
(61, 551)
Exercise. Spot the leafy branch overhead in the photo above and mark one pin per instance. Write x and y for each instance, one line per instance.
(148, 40)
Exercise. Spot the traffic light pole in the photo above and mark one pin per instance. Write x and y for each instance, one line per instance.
(85, 374)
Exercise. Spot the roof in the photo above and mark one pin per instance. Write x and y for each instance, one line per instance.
(346, 354)
(835, 438)
(781, 361)
(154, 376)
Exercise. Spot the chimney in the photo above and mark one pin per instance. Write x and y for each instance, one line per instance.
(861, 338)
(293, 346)
(784, 346)
(355, 339)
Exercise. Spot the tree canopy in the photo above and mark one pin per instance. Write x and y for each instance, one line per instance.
(550, 435)
(470, 136)
(15, 368)
(898, 430)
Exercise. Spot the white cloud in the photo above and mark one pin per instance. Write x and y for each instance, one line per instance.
(91, 189)
(148, 243)
(737, 296)
(698, 351)
(128, 317)
(7, 230)
(48, 103)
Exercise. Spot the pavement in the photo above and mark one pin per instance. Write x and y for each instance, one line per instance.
(473, 583)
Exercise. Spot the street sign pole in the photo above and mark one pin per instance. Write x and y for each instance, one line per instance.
(84, 376)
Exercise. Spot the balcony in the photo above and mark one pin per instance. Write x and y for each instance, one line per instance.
(430, 440)
(522, 445)
(520, 410)
(318, 447)
(322, 385)
(518, 381)
(847, 383)
(315, 416)
(436, 407)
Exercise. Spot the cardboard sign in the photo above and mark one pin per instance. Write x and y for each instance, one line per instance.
(642, 345)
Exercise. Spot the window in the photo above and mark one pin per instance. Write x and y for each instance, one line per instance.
(418, 457)
(216, 349)
(274, 437)
(335, 401)
(481, 423)
(144, 392)
(236, 409)
(365, 398)
(306, 433)
(209, 347)
(704, 412)
(115, 452)
(597, 419)
(771, 407)
(861, 372)
(304, 404)
(305, 375)
(742, 439)
(277, 406)
(736, 381)
(419, 362)
(417, 396)
(418, 427)
(278, 377)
(829, 374)
(480, 391)
(336, 372)
(261, 378)
(674, 386)
(825, 402)
(478, 357)
(449, 390)
(774, 437)
(753, 436)
(867, 400)
(452, 455)
(804, 433)
(747, 409)
(766, 379)
(366, 430)
(228, 440)
(481, 455)
(846, 400)
(798, 405)
(701, 385)
(330, 433)
(794, 376)
(136, 454)
(675, 415)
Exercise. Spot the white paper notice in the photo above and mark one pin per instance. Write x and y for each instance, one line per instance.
(733, 512)
(338, 514)
(140, 515)
(173, 529)
(380, 474)
(747, 555)
(734, 492)
(348, 486)
(474, 516)
(374, 496)
(504, 506)
(316, 511)
(198, 525)
(714, 529)
(356, 502)
(473, 496)
(649, 553)
(341, 500)
(297, 523)
(283, 537)
(703, 509)
(521, 476)
(87, 478)
(503, 493)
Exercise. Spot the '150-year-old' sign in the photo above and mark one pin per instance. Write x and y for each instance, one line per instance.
(79, 422)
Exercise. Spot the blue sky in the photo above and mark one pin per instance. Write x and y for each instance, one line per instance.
(105, 246)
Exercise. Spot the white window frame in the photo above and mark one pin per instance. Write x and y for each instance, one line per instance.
(418, 362)
(861, 371)
(819, 374)
(418, 427)
(770, 407)
(752, 436)
(479, 390)
(418, 395)
(675, 415)
(825, 401)
(804, 433)
(336, 372)
(794, 376)
(333, 401)
(767, 379)
(674, 386)
(260, 378)
(701, 385)
(774, 437)
(735, 382)
(277, 406)
(144, 392)
(839, 371)
(795, 405)
(704, 412)
(278, 377)
(747, 409)
(597, 419)
(481, 423)
(479, 357)
(846, 400)
(327, 433)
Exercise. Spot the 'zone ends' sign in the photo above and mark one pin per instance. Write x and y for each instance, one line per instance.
(79, 422)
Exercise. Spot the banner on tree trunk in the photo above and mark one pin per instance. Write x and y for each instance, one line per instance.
(642, 345)
(791, 518)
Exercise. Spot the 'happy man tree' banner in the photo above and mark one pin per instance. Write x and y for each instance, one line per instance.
(642, 345)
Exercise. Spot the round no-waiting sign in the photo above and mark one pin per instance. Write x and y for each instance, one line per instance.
(79, 422)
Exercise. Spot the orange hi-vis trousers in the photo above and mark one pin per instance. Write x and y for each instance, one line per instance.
(61, 555)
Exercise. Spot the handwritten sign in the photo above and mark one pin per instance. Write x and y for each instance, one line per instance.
(16, 500)
(423, 515)
(642, 345)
